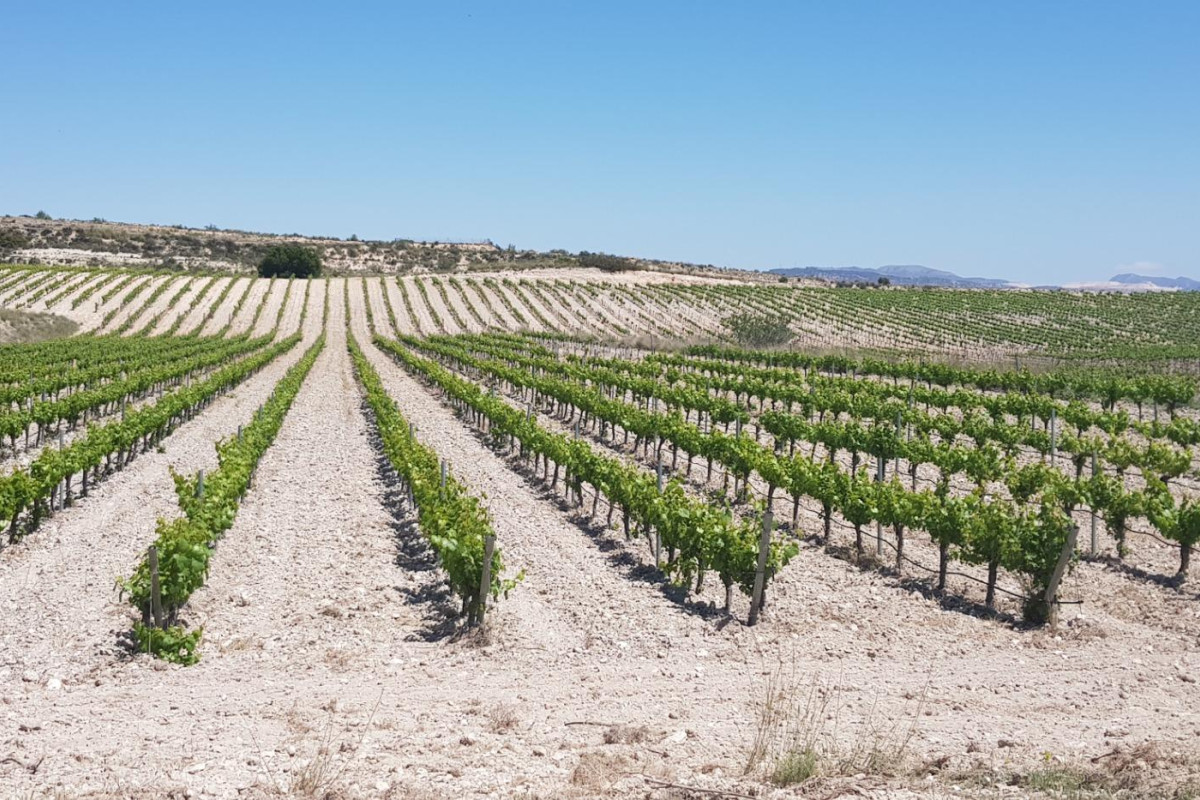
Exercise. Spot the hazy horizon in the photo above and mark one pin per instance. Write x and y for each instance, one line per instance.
(1145, 270)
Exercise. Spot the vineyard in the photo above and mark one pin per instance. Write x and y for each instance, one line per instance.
(570, 533)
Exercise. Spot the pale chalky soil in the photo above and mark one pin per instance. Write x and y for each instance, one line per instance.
(326, 642)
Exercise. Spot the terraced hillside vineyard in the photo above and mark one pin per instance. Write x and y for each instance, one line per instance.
(490, 531)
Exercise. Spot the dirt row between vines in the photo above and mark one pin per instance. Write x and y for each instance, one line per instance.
(182, 308)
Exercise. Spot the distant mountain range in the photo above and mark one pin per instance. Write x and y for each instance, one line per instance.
(898, 274)
(1186, 284)
(916, 275)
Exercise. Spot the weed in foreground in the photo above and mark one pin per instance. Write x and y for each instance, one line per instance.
(799, 735)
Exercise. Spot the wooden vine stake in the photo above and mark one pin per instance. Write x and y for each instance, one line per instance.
(896, 466)
(485, 577)
(764, 549)
(880, 469)
(1060, 569)
(1053, 436)
(658, 469)
(1095, 537)
(155, 591)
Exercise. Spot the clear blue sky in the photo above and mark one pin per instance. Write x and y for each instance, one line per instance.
(1037, 141)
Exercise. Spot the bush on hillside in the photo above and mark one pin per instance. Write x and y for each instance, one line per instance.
(12, 240)
(606, 262)
(290, 261)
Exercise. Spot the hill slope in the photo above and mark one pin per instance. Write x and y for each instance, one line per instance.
(32, 240)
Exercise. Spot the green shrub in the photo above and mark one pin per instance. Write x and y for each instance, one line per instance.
(759, 330)
(290, 261)
(795, 767)
(606, 262)
(12, 240)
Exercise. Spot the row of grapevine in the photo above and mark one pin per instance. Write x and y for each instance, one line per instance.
(1025, 533)
(1107, 387)
(694, 536)
(49, 368)
(35, 489)
(76, 407)
(822, 402)
(209, 503)
(451, 519)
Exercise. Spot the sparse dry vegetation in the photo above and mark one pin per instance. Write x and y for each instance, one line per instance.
(803, 730)
(25, 326)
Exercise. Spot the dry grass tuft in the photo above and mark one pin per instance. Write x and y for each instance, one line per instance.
(296, 722)
(597, 771)
(339, 659)
(798, 734)
(626, 734)
(503, 718)
(320, 776)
